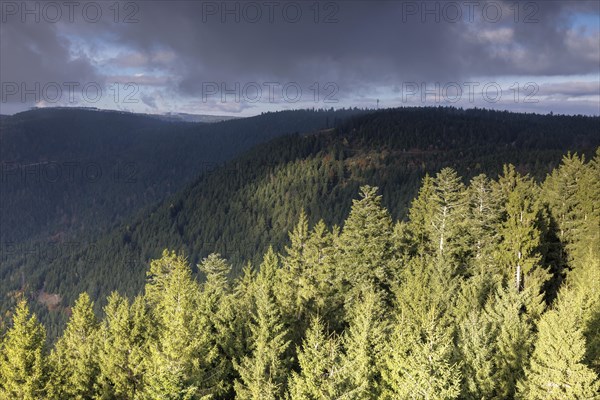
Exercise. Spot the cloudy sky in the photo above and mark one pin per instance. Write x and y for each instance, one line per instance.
(242, 57)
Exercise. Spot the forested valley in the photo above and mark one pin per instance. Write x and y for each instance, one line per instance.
(243, 206)
(489, 288)
(300, 200)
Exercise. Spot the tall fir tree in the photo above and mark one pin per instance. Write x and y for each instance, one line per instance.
(289, 279)
(267, 273)
(180, 359)
(482, 223)
(322, 374)
(585, 285)
(263, 372)
(517, 253)
(365, 246)
(318, 291)
(557, 370)
(571, 191)
(217, 304)
(562, 192)
(124, 337)
(418, 362)
(477, 348)
(74, 361)
(444, 223)
(23, 366)
(245, 306)
(513, 333)
(363, 343)
(417, 237)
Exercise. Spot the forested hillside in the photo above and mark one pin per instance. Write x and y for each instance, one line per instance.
(69, 175)
(489, 289)
(250, 203)
(71, 171)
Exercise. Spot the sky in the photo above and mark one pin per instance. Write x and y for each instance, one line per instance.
(242, 58)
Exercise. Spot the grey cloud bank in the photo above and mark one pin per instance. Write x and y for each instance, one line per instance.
(172, 50)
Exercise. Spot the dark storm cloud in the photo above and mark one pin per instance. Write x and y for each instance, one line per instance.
(366, 44)
(372, 43)
(35, 51)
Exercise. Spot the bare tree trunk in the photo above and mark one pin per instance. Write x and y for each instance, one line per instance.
(518, 277)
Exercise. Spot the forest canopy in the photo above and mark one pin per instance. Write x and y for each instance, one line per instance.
(489, 289)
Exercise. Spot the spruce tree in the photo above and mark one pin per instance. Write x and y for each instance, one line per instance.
(180, 358)
(322, 374)
(477, 347)
(482, 222)
(418, 362)
(23, 366)
(74, 361)
(124, 336)
(449, 211)
(365, 246)
(513, 332)
(363, 344)
(263, 372)
(517, 252)
(557, 369)
(217, 304)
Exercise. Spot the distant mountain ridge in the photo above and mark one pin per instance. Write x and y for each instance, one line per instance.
(66, 169)
(167, 116)
(185, 117)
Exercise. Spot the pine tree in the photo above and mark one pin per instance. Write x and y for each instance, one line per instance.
(180, 358)
(481, 224)
(217, 303)
(513, 332)
(418, 363)
(363, 343)
(74, 361)
(23, 369)
(322, 375)
(557, 370)
(418, 239)
(263, 371)
(289, 280)
(365, 246)
(124, 337)
(519, 232)
(445, 223)
(476, 343)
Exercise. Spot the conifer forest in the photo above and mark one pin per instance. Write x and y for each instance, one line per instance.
(488, 290)
(300, 200)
